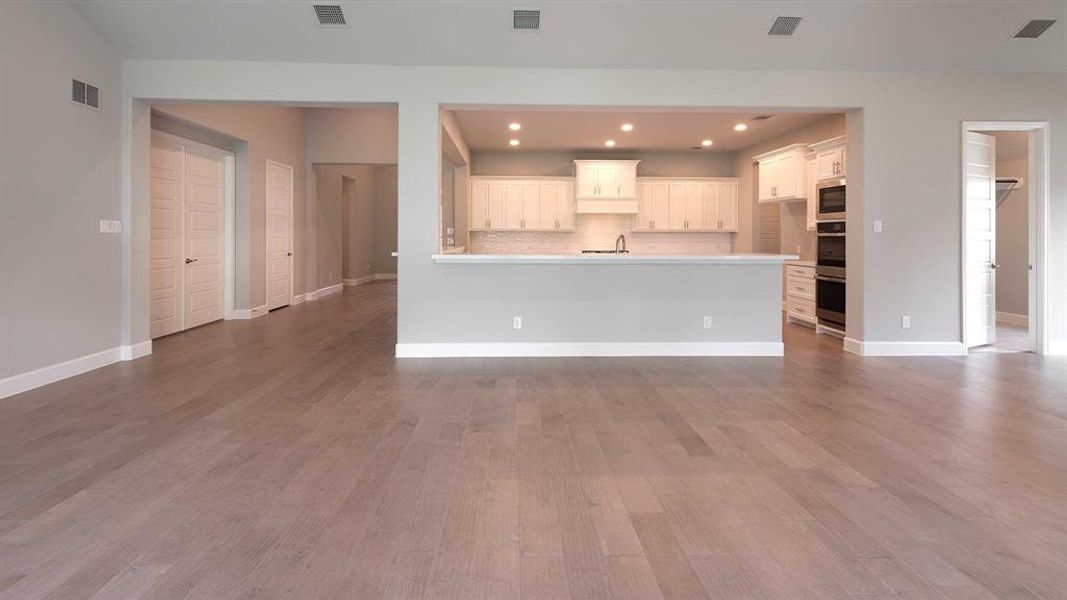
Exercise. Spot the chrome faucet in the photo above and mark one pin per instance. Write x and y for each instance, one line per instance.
(620, 244)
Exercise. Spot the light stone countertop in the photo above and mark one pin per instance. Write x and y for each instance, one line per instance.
(613, 259)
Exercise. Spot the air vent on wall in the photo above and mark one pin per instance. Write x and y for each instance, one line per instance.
(761, 117)
(330, 15)
(84, 94)
(1034, 28)
(784, 26)
(525, 20)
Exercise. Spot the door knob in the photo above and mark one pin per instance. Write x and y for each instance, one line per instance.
(191, 260)
(994, 265)
(288, 253)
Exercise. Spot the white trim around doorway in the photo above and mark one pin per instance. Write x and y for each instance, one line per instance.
(1038, 216)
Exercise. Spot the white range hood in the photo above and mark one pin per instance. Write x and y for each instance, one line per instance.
(606, 186)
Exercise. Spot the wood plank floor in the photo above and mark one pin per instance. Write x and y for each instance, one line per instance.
(292, 457)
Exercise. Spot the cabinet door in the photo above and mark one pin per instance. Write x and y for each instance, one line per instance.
(531, 205)
(627, 180)
(727, 205)
(660, 193)
(766, 178)
(786, 172)
(676, 200)
(813, 192)
(565, 204)
(709, 194)
(607, 180)
(694, 206)
(842, 156)
(479, 211)
(513, 205)
(826, 163)
(644, 206)
(546, 213)
(496, 205)
(587, 182)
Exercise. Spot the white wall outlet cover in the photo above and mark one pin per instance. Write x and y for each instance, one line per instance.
(878, 226)
(516, 322)
(116, 226)
(707, 322)
(450, 231)
(905, 322)
(104, 226)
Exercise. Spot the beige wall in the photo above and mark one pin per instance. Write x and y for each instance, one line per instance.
(792, 217)
(385, 218)
(1013, 254)
(270, 133)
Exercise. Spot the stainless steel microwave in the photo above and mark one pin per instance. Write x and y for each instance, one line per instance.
(831, 200)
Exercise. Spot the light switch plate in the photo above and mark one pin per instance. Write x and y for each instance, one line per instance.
(878, 226)
(707, 322)
(516, 322)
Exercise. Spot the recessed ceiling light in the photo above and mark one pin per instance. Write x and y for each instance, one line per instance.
(513, 142)
(706, 143)
(627, 127)
(609, 143)
(515, 126)
(740, 127)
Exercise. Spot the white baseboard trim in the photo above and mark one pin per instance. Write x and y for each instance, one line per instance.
(367, 279)
(24, 382)
(250, 313)
(904, 348)
(326, 291)
(1013, 318)
(135, 351)
(523, 349)
(298, 299)
(357, 281)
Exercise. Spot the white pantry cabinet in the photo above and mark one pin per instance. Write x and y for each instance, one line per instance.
(694, 205)
(521, 204)
(813, 193)
(831, 158)
(783, 174)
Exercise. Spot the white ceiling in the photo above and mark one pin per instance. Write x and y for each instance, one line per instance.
(588, 129)
(964, 35)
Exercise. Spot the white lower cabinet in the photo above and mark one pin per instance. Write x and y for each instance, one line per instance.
(800, 293)
(678, 205)
(521, 204)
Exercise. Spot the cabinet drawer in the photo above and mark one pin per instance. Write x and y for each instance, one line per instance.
(802, 309)
(798, 271)
(800, 286)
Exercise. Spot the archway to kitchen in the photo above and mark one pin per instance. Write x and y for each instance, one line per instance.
(648, 181)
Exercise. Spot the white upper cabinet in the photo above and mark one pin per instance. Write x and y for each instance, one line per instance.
(694, 205)
(830, 158)
(606, 186)
(783, 174)
(521, 204)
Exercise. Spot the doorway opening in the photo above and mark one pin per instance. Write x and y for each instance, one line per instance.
(1004, 216)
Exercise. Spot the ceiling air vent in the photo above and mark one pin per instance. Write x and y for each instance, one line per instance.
(1034, 28)
(761, 117)
(784, 26)
(525, 20)
(330, 15)
(84, 94)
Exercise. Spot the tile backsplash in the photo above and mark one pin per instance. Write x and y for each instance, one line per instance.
(598, 232)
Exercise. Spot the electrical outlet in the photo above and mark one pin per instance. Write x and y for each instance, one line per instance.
(707, 322)
(105, 226)
(516, 322)
(905, 322)
(878, 226)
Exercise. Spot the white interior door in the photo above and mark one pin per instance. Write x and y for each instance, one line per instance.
(981, 237)
(279, 235)
(205, 179)
(165, 256)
